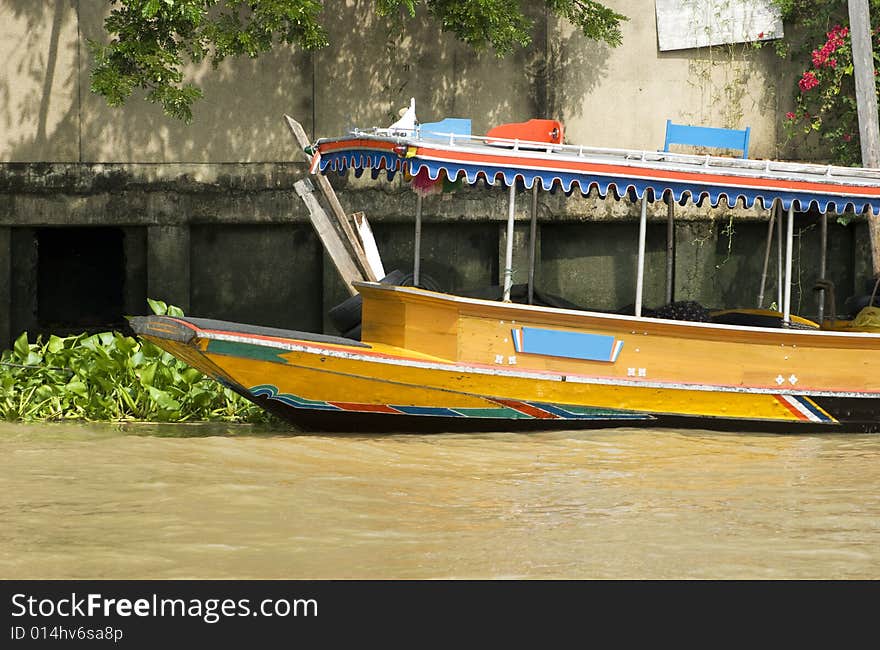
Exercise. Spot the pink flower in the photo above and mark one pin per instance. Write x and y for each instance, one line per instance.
(847, 137)
(790, 115)
(808, 81)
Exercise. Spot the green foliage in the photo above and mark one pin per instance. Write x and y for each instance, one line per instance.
(825, 106)
(109, 376)
(151, 40)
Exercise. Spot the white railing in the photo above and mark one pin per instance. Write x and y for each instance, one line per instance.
(455, 141)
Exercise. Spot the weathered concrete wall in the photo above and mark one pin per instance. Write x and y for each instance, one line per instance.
(622, 97)
(619, 96)
(49, 114)
(39, 81)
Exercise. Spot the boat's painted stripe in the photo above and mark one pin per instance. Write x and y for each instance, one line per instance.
(791, 405)
(270, 391)
(617, 348)
(428, 410)
(507, 409)
(568, 411)
(566, 344)
(372, 408)
(804, 408)
(816, 409)
(529, 409)
(517, 339)
(248, 350)
(503, 371)
(498, 413)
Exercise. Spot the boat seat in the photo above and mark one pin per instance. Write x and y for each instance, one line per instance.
(707, 136)
(457, 126)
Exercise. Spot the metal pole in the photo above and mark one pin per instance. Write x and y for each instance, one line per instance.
(789, 247)
(508, 249)
(770, 223)
(779, 278)
(823, 255)
(670, 247)
(640, 271)
(417, 248)
(533, 235)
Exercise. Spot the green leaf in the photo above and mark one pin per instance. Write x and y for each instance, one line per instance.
(33, 359)
(77, 387)
(163, 399)
(159, 308)
(150, 9)
(148, 374)
(55, 344)
(21, 346)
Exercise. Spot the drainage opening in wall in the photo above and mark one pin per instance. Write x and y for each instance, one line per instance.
(80, 279)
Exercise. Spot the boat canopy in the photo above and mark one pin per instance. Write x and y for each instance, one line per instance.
(652, 175)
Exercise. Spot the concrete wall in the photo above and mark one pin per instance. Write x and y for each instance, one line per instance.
(622, 97)
(209, 217)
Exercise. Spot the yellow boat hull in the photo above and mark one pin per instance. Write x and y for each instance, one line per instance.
(437, 362)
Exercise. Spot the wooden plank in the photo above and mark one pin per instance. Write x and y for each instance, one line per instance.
(866, 101)
(330, 238)
(353, 244)
(365, 233)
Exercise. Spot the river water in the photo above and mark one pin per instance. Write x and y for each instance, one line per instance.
(93, 501)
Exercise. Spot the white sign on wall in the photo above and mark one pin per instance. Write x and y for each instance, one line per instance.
(685, 24)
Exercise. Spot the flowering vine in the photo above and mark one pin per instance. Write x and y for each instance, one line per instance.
(825, 105)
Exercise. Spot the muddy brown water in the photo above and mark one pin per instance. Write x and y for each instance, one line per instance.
(83, 501)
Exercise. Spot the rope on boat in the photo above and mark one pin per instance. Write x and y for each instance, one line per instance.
(868, 318)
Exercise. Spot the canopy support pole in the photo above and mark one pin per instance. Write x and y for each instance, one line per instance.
(823, 255)
(789, 246)
(770, 224)
(640, 271)
(670, 247)
(779, 278)
(533, 234)
(417, 245)
(508, 248)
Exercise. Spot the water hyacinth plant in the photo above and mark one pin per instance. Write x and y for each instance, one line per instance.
(110, 376)
(825, 104)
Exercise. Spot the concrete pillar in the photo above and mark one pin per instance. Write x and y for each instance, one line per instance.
(5, 287)
(168, 265)
(695, 258)
(135, 250)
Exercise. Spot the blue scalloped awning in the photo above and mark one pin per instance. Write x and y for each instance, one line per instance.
(604, 184)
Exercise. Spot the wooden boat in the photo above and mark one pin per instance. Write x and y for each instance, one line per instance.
(434, 361)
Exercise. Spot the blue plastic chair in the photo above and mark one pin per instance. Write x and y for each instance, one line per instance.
(707, 136)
